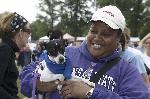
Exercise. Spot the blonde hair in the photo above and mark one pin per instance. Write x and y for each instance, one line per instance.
(5, 24)
(144, 39)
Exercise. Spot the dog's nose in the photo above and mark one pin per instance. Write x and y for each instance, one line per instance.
(61, 60)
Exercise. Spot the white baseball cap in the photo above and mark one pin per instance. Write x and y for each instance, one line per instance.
(110, 15)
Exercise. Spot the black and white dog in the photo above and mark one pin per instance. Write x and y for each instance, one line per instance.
(54, 65)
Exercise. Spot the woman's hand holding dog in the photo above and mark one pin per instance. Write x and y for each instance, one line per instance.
(74, 89)
(47, 86)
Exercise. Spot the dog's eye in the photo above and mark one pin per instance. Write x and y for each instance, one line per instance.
(62, 50)
(53, 53)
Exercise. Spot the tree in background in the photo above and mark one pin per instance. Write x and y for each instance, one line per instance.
(145, 28)
(50, 9)
(39, 29)
(71, 16)
(75, 17)
(47, 19)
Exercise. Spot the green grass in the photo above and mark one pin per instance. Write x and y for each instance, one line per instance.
(19, 94)
(18, 85)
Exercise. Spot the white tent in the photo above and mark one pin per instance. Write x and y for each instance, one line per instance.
(68, 36)
(134, 39)
(44, 38)
(81, 38)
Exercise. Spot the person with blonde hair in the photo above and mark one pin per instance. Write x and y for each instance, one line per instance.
(145, 44)
(14, 33)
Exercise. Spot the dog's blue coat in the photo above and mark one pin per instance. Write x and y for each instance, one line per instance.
(65, 69)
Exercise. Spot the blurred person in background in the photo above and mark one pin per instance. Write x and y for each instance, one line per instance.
(134, 56)
(145, 44)
(40, 47)
(14, 33)
(24, 57)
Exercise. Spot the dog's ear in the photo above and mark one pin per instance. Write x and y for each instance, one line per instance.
(66, 42)
(47, 46)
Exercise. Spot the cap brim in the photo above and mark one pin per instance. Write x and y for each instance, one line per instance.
(107, 21)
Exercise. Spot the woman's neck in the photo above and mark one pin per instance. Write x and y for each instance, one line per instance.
(147, 53)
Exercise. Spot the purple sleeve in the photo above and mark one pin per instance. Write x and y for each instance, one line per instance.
(26, 79)
(130, 86)
(68, 69)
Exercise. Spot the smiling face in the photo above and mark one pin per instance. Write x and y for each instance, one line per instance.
(102, 40)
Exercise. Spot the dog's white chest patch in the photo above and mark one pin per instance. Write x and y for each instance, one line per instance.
(46, 75)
